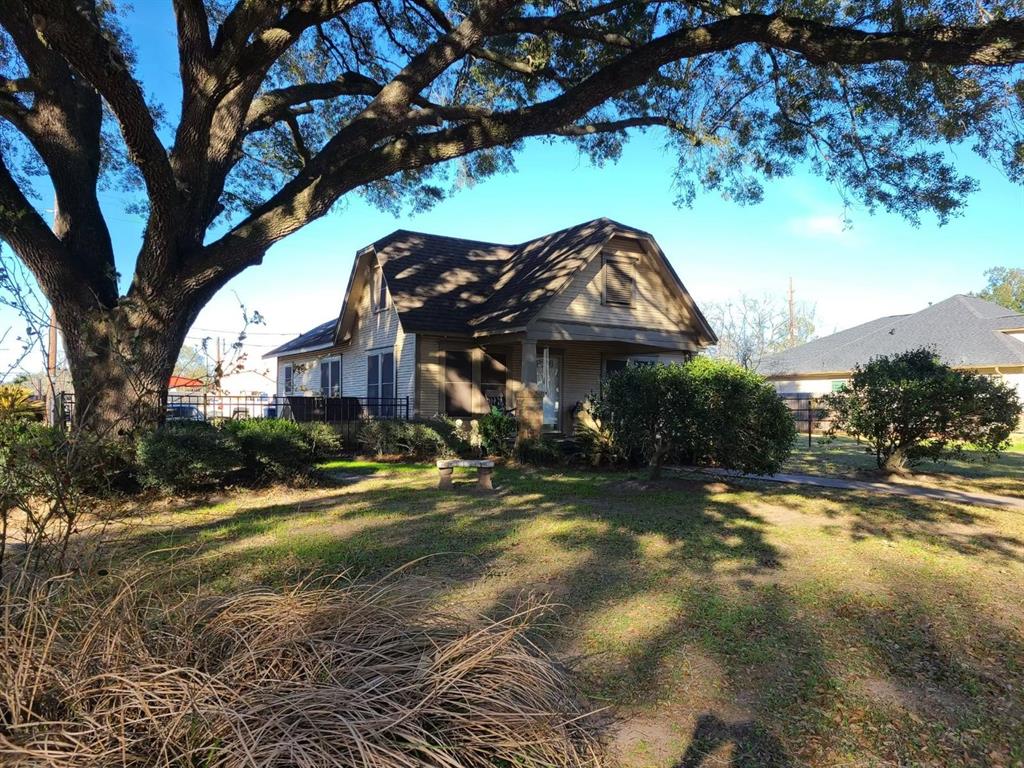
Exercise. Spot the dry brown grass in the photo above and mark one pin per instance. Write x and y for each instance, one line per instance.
(337, 675)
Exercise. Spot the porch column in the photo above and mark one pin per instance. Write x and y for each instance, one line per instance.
(529, 400)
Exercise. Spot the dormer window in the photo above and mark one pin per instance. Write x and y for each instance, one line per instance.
(379, 290)
(618, 281)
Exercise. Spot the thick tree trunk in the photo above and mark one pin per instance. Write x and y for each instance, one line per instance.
(896, 462)
(121, 360)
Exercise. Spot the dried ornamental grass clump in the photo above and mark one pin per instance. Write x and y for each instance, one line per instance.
(344, 675)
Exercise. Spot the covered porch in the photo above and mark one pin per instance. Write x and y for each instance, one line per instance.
(544, 381)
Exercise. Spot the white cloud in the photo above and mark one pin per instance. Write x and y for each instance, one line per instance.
(820, 226)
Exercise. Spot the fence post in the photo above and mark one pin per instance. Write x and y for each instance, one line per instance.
(810, 414)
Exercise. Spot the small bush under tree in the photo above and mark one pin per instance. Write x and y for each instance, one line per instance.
(187, 456)
(274, 450)
(910, 407)
(497, 432)
(427, 439)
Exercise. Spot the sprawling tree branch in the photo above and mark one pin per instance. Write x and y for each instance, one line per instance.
(80, 42)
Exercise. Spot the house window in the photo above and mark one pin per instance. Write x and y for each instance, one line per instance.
(379, 297)
(618, 282)
(458, 382)
(380, 384)
(289, 379)
(493, 377)
(614, 365)
(330, 377)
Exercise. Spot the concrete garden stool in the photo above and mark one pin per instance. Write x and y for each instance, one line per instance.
(484, 467)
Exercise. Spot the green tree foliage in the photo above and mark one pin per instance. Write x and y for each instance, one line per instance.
(1005, 286)
(187, 456)
(911, 406)
(706, 412)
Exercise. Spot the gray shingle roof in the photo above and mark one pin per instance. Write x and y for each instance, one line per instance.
(964, 331)
(318, 338)
(445, 284)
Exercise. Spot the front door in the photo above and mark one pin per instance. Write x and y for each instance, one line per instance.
(549, 381)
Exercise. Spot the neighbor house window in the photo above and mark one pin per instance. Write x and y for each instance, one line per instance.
(379, 297)
(618, 282)
(380, 383)
(289, 379)
(330, 377)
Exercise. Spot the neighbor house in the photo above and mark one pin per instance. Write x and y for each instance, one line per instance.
(964, 331)
(449, 326)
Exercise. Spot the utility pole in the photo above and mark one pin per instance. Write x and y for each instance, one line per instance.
(792, 315)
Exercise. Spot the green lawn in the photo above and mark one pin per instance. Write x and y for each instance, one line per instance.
(844, 457)
(776, 625)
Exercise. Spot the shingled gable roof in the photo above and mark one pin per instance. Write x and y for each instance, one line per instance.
(964, 331)
(451, 285)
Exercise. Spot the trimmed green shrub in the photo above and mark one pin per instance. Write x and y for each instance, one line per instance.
(540, 452)
(497, 432)
(185, 456)
(273, 450)
(705, 412)
(323, 441)
(911, 406)
(404, 438)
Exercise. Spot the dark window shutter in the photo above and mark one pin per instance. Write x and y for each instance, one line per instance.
(458, 383)
(618, 282)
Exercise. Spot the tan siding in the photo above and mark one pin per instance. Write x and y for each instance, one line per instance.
(654, 304)
(515, 373)
(580, 378)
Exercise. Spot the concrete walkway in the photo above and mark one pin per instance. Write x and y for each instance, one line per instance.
(950, 495)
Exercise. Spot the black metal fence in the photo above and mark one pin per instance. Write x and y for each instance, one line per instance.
(810, 413)
(345, 413)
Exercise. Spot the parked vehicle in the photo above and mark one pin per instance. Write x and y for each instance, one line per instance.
(180, 412)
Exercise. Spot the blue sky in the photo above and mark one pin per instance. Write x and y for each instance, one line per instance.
(882, 265)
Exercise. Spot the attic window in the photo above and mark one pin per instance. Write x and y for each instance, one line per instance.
(618, 282)
(379, 295)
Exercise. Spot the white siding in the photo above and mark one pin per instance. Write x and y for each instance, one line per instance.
(1015, 380)
(374, 332)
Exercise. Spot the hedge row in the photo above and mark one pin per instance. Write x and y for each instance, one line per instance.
(196, 455)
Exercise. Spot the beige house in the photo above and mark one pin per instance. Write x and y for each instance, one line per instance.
(453, 326)
(964, 331)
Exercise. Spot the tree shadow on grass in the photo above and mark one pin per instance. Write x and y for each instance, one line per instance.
(965, 530)
(646, 558)
(752, 746)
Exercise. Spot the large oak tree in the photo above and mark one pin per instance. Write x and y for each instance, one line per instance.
(286, 107)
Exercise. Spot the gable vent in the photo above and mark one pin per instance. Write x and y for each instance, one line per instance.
(618, 282)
